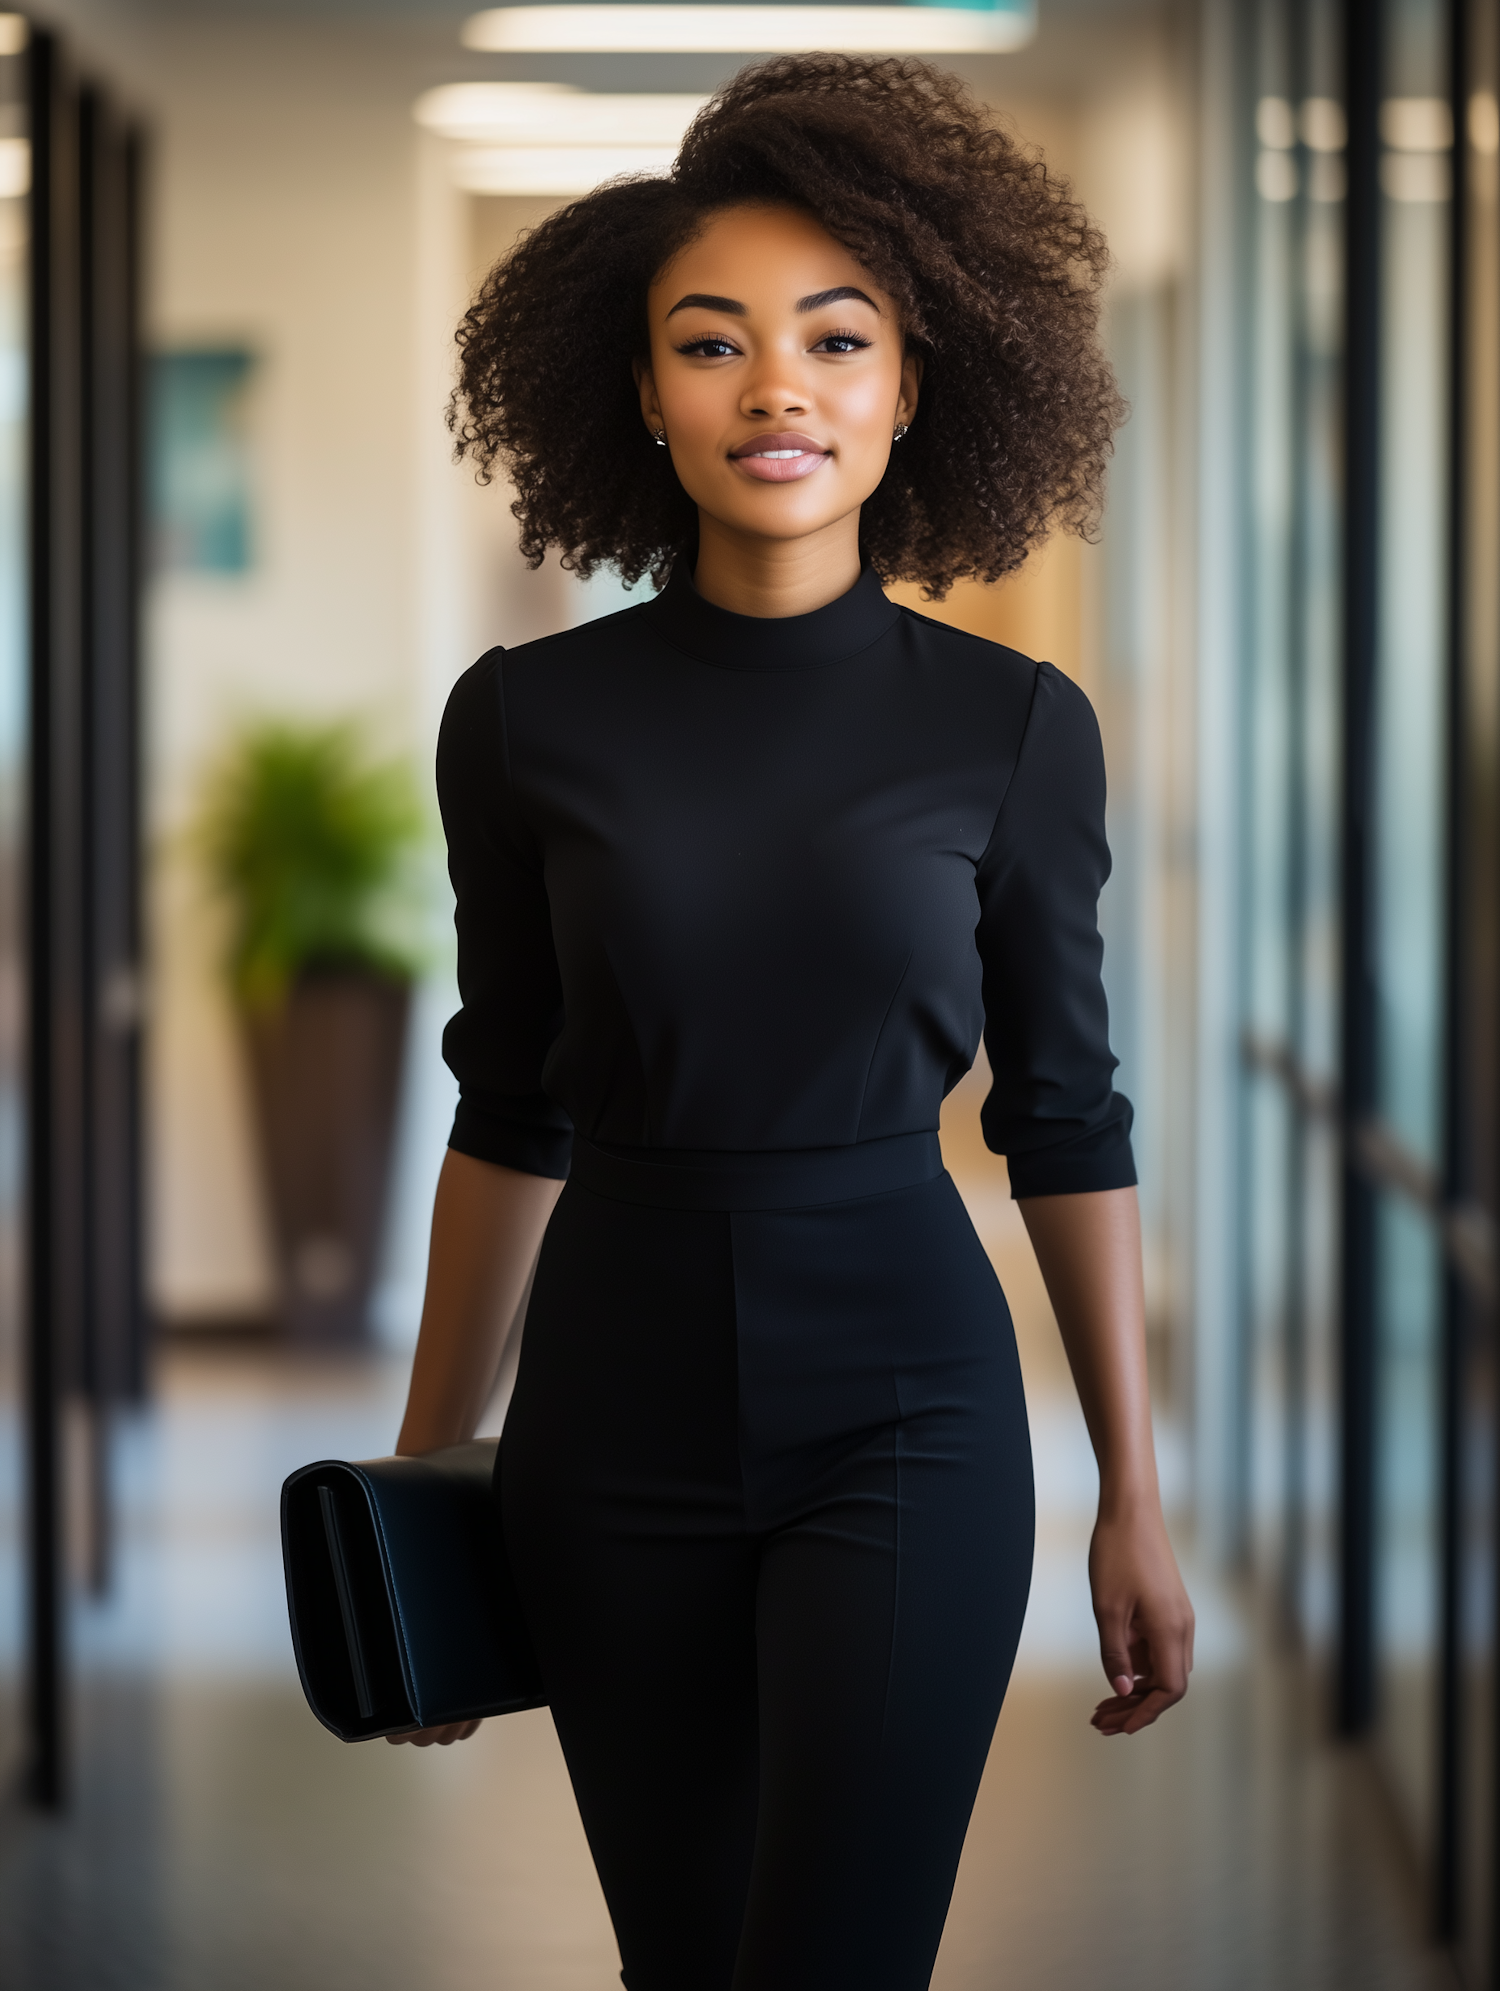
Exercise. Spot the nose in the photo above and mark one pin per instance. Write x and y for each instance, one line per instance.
(773, 392)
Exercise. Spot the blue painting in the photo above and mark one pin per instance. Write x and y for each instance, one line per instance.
(200, 461)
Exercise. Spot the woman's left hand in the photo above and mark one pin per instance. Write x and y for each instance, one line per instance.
(1144, 1616)
(423, 1738)
(1088, 1245)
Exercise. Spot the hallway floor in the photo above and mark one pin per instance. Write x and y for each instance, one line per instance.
(220, 1840)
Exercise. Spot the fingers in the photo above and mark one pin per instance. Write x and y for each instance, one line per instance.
(1129, 1714)
(1147, 1664)
(1159, 1680)
(1145, 1621)
(1114, 1651)
(444, 1735)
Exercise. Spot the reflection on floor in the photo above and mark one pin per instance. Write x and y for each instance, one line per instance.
(221, 1841)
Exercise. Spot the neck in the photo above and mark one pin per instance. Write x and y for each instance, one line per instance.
(776, 577)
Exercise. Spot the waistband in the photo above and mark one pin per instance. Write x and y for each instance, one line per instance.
(791, 1179)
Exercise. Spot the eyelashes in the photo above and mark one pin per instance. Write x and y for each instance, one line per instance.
(701, 348)
(713, 346)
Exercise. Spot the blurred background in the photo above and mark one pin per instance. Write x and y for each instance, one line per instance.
(238, 574)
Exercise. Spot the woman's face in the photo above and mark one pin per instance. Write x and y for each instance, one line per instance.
(779, 372)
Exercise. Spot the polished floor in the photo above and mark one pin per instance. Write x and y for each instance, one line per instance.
(219, 1840)
(222, 1842)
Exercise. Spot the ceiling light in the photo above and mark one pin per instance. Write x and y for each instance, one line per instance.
(1417, 124)
(552, 169)
(510, 114)
(620, 27)
(474, 110)
(550, 138)
(1323, 124)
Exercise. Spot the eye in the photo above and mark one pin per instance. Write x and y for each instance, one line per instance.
(841, 342)
(710, 346)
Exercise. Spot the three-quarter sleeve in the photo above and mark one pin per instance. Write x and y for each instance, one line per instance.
(1052, 1109)
(508, 981)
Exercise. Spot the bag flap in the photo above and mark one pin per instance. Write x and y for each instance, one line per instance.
(463, 1641)
(344, 1634)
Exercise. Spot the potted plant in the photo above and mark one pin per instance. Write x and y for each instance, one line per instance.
(312, 844)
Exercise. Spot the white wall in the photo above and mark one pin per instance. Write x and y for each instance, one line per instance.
(298, 211)
(284, 221)
(284, 218)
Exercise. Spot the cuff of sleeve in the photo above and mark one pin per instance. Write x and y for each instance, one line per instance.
(511, 1143)
(1099, 1160)
(1065, 1175)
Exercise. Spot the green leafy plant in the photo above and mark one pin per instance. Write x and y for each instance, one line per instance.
(314, 846)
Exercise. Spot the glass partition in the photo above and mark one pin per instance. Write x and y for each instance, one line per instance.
(1291, 841)
(14, 663)
(1370, 740)
(1475, 1403)
(1408, 892)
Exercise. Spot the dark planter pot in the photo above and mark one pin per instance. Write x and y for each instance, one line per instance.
(327, 1073)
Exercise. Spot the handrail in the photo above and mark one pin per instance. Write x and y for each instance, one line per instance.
(1469, 1233)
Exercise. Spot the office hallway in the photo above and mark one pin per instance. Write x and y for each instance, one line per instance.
(237, 239)
(221, 1839)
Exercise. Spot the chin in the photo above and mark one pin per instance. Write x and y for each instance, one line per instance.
(788, 520)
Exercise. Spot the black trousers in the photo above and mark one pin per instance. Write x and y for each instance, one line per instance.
(767, 1495)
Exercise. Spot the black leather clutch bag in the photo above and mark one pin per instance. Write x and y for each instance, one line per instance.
(402, 1608)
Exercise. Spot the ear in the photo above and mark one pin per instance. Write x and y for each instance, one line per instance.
(911, 387)
(651, 413)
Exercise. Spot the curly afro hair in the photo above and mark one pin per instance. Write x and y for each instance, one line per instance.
(994, 267)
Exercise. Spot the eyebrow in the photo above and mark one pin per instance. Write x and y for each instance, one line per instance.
(704, 301)
(835, 296)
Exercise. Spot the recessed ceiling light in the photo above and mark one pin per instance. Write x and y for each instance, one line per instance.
(621, 27)
(464, 110)
(1417, 124)
(542, 114)
(552, 169)
(528, 138)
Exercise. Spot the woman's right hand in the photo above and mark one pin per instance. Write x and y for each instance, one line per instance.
(453, 1731)
(487, 1225)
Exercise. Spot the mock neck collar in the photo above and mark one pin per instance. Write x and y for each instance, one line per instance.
(713, 635)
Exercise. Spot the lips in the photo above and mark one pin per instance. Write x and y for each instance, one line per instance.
(779, 458)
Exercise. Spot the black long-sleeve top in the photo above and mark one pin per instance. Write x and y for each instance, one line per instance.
(732, 883)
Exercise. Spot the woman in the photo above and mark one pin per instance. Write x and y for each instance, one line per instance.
(741, 874)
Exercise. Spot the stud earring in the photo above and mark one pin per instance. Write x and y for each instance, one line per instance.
(659, 437)
(901, 428)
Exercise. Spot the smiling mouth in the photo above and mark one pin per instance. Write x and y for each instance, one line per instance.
(778, 459)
